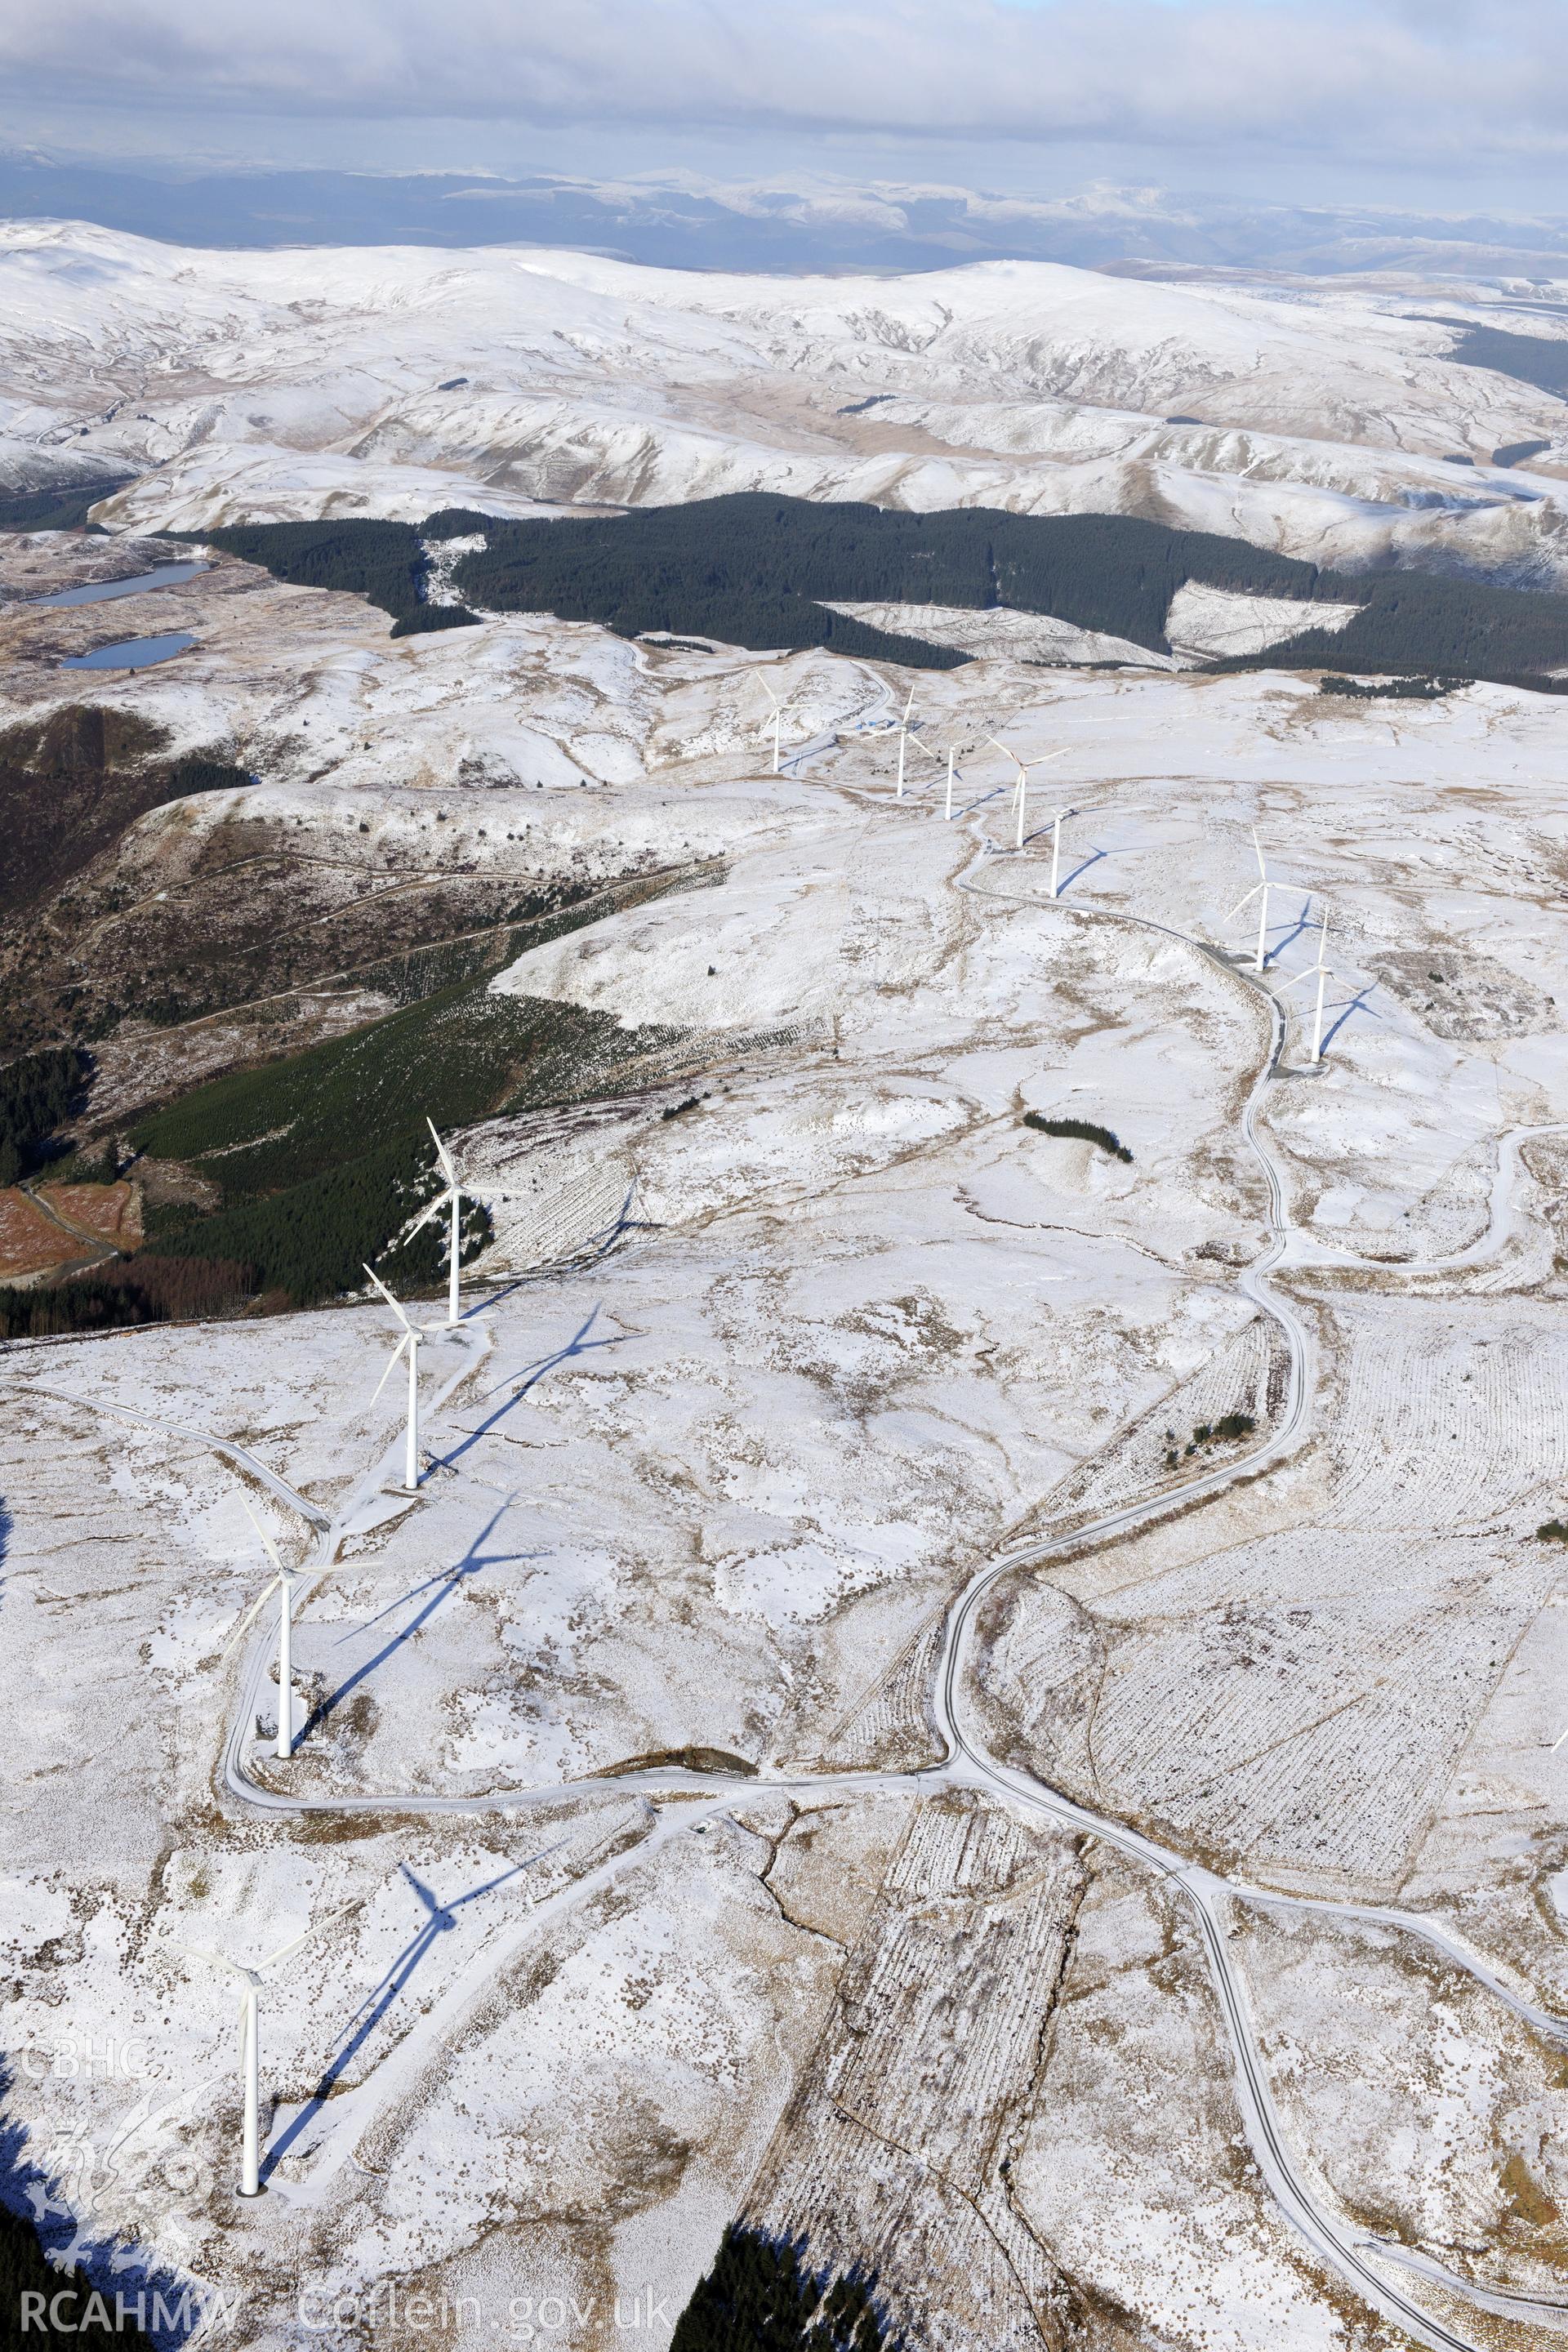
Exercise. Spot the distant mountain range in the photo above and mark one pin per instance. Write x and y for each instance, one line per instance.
(687, 223)
(1356, 426)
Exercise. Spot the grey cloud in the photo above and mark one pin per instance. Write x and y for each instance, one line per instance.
(1423, 79)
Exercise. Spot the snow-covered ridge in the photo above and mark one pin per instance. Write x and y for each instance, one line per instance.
(1320, 420)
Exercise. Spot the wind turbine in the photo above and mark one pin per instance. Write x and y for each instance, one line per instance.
(1262, 886)
(1322, 973)
(452, 1200)
(1057, 840)
(249, 2044)
(412, 1335)
(1022, 784)
(777, 719)
(904, 741)
(935, 759)
(283, 1585)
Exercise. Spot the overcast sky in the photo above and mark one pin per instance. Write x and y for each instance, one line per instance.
(1414, 101)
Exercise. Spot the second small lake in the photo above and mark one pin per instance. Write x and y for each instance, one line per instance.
(166, 575)
(135, 653)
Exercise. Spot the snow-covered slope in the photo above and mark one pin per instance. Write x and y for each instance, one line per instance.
(1321, 420)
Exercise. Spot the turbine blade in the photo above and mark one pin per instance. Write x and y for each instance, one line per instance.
(218, 1959)
(248, 1615)
(388, 1296)
(907, 707)
(391, 1362)
(287, 1951)
(1257, 846)
(926, 749)
(442, 1154)
(317, 1927)
(271, 1547)
(1242, 902)
(441, 1201)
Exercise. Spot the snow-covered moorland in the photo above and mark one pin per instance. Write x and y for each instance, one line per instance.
(830, 1741)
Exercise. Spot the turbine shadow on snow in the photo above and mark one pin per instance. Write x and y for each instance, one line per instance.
(1093, 858)
(1292, 932)
(1357, 1003)
(439, 1588)
(438, 1921)
(521, 1382)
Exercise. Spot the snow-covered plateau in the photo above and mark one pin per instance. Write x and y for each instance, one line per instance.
(985, 1700)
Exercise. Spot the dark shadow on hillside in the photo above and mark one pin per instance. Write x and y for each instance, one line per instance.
(51, 2244)
(1358, 1003)
(1291, 932)
(764, 2290)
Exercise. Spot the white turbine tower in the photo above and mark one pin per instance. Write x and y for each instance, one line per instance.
(451, 1200)
(283, 1585)
(1259, 890)
(412, 1335)
(249, 2045)
(1320, 972)
(1021, 787)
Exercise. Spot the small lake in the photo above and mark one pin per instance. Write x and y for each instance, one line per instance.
(166, 575)
(135, 653)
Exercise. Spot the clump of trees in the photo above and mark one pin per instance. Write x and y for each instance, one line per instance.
(125, 1294)
(36, 1094)
(1390, 690)
(63, 507)
(322, 1158)
(385, 562)
(1085, 1130)
(25, 2269)
(1223, 1432)
(763, 2294)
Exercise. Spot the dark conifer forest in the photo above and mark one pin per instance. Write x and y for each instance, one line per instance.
(763, 571)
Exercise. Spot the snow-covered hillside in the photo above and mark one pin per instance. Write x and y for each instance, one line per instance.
(1324, 421)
